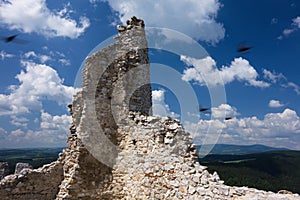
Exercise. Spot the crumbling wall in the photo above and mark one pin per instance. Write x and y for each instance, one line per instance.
(115, 81)
(22, 166)
(34, 184)
(4, 169)
(159, 161)
(84, 177)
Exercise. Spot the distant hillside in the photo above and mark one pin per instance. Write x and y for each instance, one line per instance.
(37, 157)
(229, 149)
(273, 170)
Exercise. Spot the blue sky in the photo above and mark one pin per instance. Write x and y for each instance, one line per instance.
(262, 86)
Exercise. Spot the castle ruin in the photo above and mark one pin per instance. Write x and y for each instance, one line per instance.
(116, 149)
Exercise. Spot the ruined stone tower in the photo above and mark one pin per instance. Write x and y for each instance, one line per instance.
(116, 149)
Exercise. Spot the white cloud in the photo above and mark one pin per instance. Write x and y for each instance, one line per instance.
(30, 54)
(273, 76)
(195, 18)
(94, 2)
(294, 86)
(271, 130)
(36, 120)
(19, 121)
(204, 71)
(64, 61)
(223, 111)
(241, 70)
(34, 16)
(212, 127)
(3, 133)
(66, 11)
(275, 104)
(159, 106)
(38, 82)
(58, 123)
(4, 55)
(52, 132)
(42, 58)
(287, 32)
(296, 22)
(17, 132)
(295, 25)
(158, 95)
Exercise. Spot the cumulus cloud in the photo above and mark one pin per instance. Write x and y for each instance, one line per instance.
(40, 19)
(38, 82)
(17, 132)
(51, 132)
(273, 129)
(214, 126)
(58, 123)
(158, 95)
(4, 55)
(275, 104)
(204, 71)
(223, 111)
(196, 18)
(159, 106)
(241, 70)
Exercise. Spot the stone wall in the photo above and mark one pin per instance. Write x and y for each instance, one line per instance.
(159, 161)
(115, 80)
(4, 169)
(34, 184)
(22, 166)
(116, 149)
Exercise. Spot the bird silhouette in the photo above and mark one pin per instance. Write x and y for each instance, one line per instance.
(202, 109)
(13, 38)
(228, 118)
(243, 48)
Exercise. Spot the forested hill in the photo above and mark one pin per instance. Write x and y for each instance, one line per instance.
(36, 157)
(273, 170)
(229, 149)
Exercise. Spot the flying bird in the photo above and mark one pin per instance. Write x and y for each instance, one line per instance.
(13, 38)
(228, 118)
(243, 48)
(202, 109)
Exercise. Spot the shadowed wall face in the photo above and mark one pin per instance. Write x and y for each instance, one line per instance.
(121, 75)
